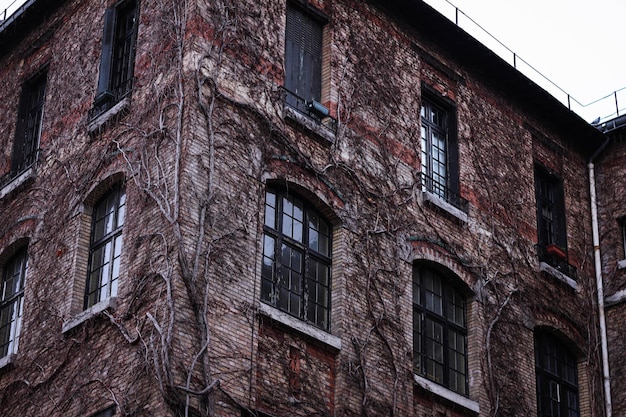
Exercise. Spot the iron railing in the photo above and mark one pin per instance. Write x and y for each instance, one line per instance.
(309, 109)
(449, 195)
(559, 263)
(28, 162)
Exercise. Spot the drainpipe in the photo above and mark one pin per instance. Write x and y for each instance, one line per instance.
(599, 284)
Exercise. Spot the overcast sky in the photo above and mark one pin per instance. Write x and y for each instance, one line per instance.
(577, 44)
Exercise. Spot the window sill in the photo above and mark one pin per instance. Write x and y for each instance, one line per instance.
(99, 121)
(447, 394)
(300, 326)
(8, 360)
(544, 267)
(83, 316)
(17, 181)
(308, 123)
(445, 206)
(621, 264)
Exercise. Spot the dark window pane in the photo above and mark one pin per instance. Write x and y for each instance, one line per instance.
(297, 257)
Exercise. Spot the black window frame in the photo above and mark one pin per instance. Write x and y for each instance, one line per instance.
(556, 369)
(117, 61)
(14, 274)
(425, 359)
(105, 247)
(29, 124)
(550, 202)
(310, 298)
(304, 47)
(445, 185)
(108, 412)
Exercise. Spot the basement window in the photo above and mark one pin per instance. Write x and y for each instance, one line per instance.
(117, 61)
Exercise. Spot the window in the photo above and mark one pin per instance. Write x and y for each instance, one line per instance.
(439, 153)
(28, 129)
(109, 412)
(303, 59)
(105, 249)
(550, 209)
(11, 303)
(295, 274)
(439, 330)
(551, 231)
(118, 56)
(557, 380)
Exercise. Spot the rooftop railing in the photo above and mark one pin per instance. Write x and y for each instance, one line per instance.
(600, 110)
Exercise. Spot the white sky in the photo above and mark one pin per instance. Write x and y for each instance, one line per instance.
(577, 44)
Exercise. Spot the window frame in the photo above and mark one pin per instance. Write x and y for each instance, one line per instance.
(422, 314)
(303, 59)
(549, 378)
(448, 188)
(109, 241)
(549, 194)
(117, 61)
(275, 271)
(9, 343)
(29, 123)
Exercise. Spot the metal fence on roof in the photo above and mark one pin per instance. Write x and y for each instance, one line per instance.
(598, 111)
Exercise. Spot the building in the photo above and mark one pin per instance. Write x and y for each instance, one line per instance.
(295, 208)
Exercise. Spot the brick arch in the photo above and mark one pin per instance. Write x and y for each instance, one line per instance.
(314, 193)
(102, 187)
(434, 255)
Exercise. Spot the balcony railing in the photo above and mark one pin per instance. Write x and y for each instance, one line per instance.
(446, 193)
(312, 109)
(558, 259)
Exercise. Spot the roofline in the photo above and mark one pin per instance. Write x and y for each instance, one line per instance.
(450, 40)
(27, 17)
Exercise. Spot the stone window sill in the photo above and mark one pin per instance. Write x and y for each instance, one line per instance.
(447, 394)
(6, 361)
(445, 206)
(17, 181)
(550, 270)
(300, 326)
(621, 264)
(308, 123)
(83, 316)
(98, 122)
(617, 298)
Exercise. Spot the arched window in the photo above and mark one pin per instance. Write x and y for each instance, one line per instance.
(557, 378)
(11, 302)
(295, 274)
(105, 248)
(439, 330)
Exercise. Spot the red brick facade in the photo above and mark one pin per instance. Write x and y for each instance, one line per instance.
(202, 136)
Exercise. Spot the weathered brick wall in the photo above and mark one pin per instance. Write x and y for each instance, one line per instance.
(196, 187)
